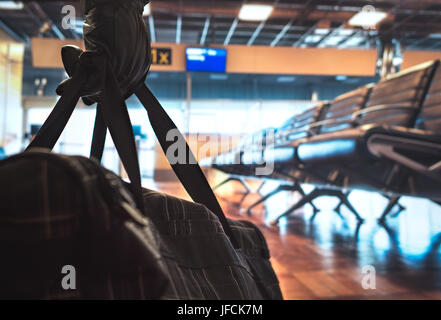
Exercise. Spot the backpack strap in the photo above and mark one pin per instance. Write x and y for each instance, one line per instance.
(99, 135)
(51, 130)
(116, 118)
(190, 173)
(111, 112)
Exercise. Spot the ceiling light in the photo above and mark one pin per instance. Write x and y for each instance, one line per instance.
(322, 31)
(285, 79)
(367, 18)
(255, 12)
(353, 41)
(218, 77)
(311, 39)
(333, 41)
(341, 78)
(345, 32)
(147, 10)
(11, 5)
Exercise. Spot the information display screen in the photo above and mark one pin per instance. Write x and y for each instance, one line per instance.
(206, 60)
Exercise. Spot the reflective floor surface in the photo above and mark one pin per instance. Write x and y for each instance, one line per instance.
(332, 257)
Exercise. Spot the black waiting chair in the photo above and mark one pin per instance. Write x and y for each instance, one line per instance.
(383, 137)
(297, 128)
(336, 116)
(393, 103)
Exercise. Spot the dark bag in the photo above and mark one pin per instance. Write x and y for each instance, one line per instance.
(201, 261)
(204, 255)
(58, 211)
(71, 211)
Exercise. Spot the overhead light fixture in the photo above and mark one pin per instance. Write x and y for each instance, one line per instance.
(11, 5)
(218, 77)
(341, 78)
(147, 10)
(332, 41)
(367, 18)
(286, 79)
(345, 32)
(321, 31)
(311, 39)
(255, 12)
(352, 42)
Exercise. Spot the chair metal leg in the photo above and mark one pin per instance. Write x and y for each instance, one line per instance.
(314, 208)
(316, 194)
(263, 199)
(293, 188)
(344, 199)
(306, 199)
(260, 187)
(340, 204)
(243, 197)
(223, 182)
(247, 189)
(392, 203)
(400, 207)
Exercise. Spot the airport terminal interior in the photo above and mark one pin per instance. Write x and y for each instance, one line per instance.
(318, 121)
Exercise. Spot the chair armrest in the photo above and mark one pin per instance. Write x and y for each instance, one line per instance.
(381, 107)
(326, 122)
(308, 128)
(304, 129)
(381, 145)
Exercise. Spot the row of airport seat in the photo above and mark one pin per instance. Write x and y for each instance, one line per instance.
(384, 137)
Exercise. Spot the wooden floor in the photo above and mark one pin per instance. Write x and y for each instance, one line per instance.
(324, 258)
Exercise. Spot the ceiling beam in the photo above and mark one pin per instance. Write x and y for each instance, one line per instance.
(262, 25)
(178, 29)
(206, 8)
(306, 34)
(57, 31)
(330, 34)
(342, 43)
(421, 33)
(435, 46)
(256, 33)
(34, 18)
(335, 13)
(416, 43)
(281, 34)
(205, 31)
(42, 15)
(152, 28)
(14, 35)
(231, 31)
(305, 13)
